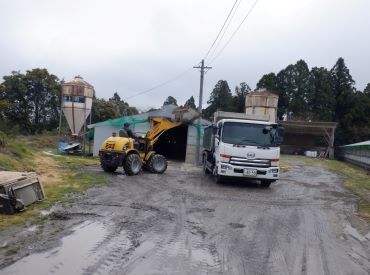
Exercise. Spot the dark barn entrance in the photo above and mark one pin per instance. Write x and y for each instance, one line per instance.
(172, 143)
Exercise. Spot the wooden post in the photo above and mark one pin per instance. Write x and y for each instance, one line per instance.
(331, 144)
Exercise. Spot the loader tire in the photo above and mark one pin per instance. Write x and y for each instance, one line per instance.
(157, 164)
(132, 164)
(108, 168)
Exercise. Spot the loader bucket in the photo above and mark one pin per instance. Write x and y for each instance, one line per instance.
(184, 114)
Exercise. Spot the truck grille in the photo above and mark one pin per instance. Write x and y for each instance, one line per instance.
(263, 163)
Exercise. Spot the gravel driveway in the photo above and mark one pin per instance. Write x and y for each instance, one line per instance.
(182, 222)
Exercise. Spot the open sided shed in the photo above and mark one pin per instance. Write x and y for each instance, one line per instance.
(177, 143)
(303, 136)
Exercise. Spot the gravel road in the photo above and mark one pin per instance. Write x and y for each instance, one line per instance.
(182, 222)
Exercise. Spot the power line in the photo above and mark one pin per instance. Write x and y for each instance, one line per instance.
(223, 25)
(237, 29)
(225, 30)
(214, 42)
(160, 85)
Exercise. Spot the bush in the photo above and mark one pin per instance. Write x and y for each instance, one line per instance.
(3, 138)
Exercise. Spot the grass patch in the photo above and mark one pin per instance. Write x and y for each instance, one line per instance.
(284, 166)
(60, 176)
(355, 179)
(12, 251)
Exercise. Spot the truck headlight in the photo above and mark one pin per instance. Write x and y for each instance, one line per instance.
(275, 162)
(224, 158)
(225, 166)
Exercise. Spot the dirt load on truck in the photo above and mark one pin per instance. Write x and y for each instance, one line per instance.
(244, 146)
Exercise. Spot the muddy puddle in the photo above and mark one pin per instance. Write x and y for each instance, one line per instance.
(71, 257)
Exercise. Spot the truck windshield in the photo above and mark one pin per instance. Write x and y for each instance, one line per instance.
(246, 134)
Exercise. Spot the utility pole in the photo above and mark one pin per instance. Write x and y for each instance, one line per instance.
(202, 68)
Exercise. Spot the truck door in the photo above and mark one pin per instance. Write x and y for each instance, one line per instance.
(217, 140)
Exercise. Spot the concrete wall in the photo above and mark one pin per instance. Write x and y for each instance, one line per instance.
(192, 142)
(101, 134)
(190, 153)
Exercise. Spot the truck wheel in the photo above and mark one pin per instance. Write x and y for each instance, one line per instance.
(132, 165)
(205, 169)
(219, 179)
(265, 183)
(108, 168)
(157, 164)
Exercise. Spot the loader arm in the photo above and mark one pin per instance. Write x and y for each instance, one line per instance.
(160, 125)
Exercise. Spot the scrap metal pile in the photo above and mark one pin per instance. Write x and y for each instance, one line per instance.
(18, 190)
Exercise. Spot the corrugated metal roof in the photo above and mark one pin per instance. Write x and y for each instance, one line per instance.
(359, 143)
(78, 80)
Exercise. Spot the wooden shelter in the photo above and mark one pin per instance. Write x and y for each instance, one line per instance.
(303, 135)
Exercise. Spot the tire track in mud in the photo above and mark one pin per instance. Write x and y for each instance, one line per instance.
(117, 248)
(176, 244)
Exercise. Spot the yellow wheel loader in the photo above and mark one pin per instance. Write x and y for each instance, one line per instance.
(133, 154)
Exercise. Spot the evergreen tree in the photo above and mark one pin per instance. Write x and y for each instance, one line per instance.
(321, 100)
(15, 93)
(190, 103)
(292, 85)
(239, 98)
(115, 97)
(4, 108)
(343, 90)
(220, 99)
(268, 82)
(343, 86)
(170, 100)
(103, 110)
(301, 91)
(123, 108)
(285, 87)
(43, 90)
(367, 89)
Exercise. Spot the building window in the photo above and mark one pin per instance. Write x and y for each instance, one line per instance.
(67, 98)
(79, 99)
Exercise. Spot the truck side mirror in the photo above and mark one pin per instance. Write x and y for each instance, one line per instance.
(266, 130)
(214, 130)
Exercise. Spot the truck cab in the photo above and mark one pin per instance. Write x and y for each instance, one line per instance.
(243, 148)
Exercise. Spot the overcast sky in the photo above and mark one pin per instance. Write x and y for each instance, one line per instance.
(130, 46)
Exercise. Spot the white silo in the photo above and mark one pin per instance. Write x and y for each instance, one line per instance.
(77, 96)
(262, 102)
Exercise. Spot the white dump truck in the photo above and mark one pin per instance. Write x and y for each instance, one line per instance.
(241, 145)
